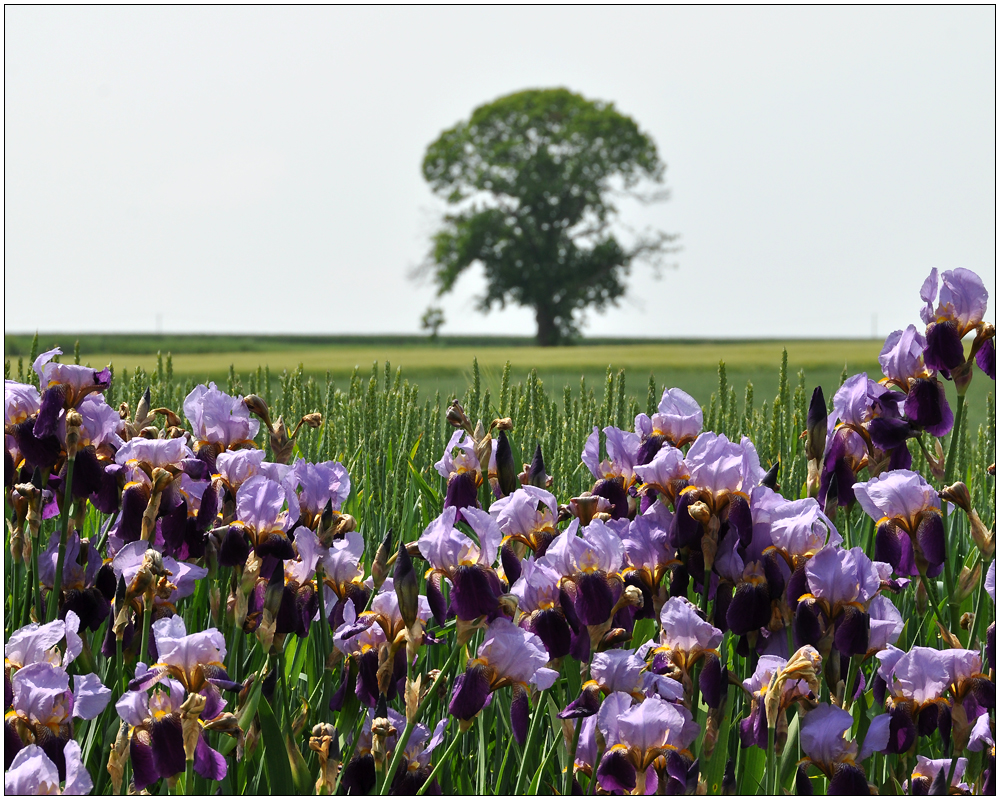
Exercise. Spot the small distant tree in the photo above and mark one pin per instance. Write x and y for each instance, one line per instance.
(532, 177)
(432, 320)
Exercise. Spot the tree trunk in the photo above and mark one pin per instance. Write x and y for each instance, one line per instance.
(548, 331)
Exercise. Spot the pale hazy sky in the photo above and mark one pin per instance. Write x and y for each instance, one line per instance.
(258, 169)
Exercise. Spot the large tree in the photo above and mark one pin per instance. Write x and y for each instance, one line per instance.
(532, 177)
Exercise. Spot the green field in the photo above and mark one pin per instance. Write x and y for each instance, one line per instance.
(447, 365)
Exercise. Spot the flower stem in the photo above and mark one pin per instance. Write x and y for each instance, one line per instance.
(36, 586)
(53, 609)
(772, 772)
(147, 623)
(956, 432)
(189, 778)
(530, 743)
(568, 784)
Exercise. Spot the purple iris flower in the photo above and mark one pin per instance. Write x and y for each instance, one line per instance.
(666, 474)
(21, 402)
(237, 466)
(685, 639)
(263, 519)
(649, 557)
(218, 419)
(678, 422)
(834, 612)
(654, 734)
(129, 559)
(612, 671)
(918, 682)
(961, 305)
(907, 510)
(508, 656)
(343, 577)
(156, 741)
(589, 565)
(927, 769)
(319, 485)
(43, 707)
(33, 772)
(88, 585)
(538, 595)
(615, 474)
(462, 470)
(36, 643)
(823, 742)
(373, 638)
(902, 364)
(528, 516)
(63, 387)
(467, 564)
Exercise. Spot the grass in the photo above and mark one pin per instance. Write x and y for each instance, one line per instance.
(446, 367)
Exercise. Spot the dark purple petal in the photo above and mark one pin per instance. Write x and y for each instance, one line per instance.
(902, 730)
(930, 538)
(991, 645)
(435, 599)
(11, 743)
(720, 609)
(469, 694)
(90, 606)
(107, 498)
(511, 563)
(208, 454)
(217, 676)
(848, 779)
(506, 471)
(806, 625)
(53, 403)
(144, 768)
(168, 745)
(134, 501)
(536, 471)
(277, 545)
(616, 772)
(944, 351)
(208, 510)
(208, 763)
(684, 531)
(461, 492)
(173, 528)
(613, 490)
(287, 618)
(816, 425)
(740, 520)
(798, 585)
(648, 450)
(368, 677)
(851, 634)
(888, 547)
(713, 681)
(594, 599)
(888, 434)
(927, 407)
(519, 713)
(750, 608)
(306, 606)
(359, 775)
(803, 783)
(337, 701)
(87, 474)
(472, 596)
(772, 571)
(235, 548)
(986, 358)
(551, 627)
(753, 729)
(586, 705)
(38, 452)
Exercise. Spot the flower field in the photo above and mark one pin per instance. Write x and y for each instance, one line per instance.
(293, 586)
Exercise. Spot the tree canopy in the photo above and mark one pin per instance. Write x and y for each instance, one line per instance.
(532, 177)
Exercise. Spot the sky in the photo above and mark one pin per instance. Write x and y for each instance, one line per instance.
(225, 169)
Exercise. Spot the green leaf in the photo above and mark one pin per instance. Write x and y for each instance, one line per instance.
(425, 488)
(300, 771)
(276, 757)
(716, 767)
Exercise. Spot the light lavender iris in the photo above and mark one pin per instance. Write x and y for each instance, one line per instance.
(33, 772)
(218, 418)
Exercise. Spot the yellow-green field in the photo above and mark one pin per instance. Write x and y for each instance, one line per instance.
(447, 367)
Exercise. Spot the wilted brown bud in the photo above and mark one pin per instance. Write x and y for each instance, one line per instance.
(255, 405)
(380, 568)
(117, 757)
(412, 695)
(73, 423)
(191, 710)
(968, 580)
(505, 424)
(281, 445)
(508, 605)
(968, 618)
(633, 595)
(172, 420)
(700, 512)
(313, 420)
(457, 417)
(584, 507)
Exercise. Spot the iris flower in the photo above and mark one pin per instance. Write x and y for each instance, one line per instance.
(961, 305)
(925, 407)
(33, 772)
(677, 422)
(462, 470)
(508, 656)
(823, 742)
(907, 511)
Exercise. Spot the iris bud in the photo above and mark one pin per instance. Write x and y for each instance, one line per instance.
(405, 584)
